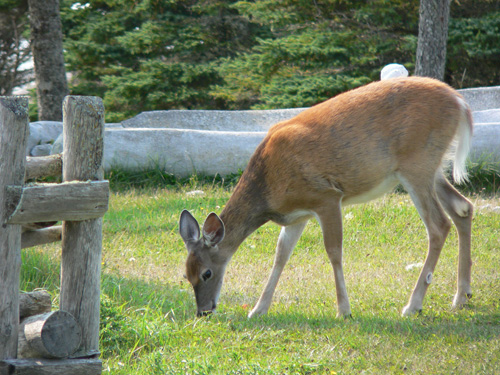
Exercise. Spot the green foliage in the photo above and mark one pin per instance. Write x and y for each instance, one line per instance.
(151, 54)
(314, 52)
(14, 49)
(227, 54)
(484, 176)
(474, 47)
(155, 178)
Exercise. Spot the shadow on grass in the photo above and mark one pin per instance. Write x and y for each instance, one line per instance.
(471, 324)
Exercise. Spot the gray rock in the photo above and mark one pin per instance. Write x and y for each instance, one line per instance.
(57, 147)
(41, 150)
(482, 98)
(184, 152)
(211, 142)
(212, 120)
(179, 151)
(43, 132)
(488, 115)
(486, 142)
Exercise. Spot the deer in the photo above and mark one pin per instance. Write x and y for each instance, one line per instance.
(347, 150)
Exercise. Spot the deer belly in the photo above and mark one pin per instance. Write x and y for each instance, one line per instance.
(377, 191)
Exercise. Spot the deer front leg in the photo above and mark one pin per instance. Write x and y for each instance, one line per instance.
(330, 219)
(286, 242)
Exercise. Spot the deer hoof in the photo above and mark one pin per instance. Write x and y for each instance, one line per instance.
(410, 311)
(461, 299)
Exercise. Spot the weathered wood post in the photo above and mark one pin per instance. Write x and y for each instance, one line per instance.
(13, 137)
(83, 134)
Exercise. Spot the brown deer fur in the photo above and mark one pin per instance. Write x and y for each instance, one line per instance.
(349, 149)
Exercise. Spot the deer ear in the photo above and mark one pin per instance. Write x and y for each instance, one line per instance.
(188, 227)
(213, 230)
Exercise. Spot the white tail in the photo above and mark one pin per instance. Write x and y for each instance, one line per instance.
(349, 149)
(464, 139)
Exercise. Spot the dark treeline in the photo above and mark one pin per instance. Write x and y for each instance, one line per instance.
(221, 54)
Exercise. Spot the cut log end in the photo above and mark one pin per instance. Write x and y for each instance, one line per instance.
(56, 334)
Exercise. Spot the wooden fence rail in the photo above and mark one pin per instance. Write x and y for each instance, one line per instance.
(79, 202)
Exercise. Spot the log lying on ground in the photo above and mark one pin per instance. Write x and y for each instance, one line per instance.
(34, 303)
(55, 334)
(41, 236)
(43, 166)
(51, 367)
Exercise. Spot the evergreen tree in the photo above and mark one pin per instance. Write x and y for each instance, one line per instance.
(152, 54)
(227, 54)
(14, 46)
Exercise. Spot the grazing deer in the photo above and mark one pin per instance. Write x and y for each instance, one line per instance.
(349, 149)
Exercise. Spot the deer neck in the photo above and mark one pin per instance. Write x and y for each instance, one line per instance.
(246, 211)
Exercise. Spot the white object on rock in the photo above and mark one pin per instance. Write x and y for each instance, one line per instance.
(393, 71)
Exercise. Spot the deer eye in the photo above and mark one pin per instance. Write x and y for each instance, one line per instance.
(206, 275)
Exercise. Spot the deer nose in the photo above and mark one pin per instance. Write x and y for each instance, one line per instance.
(207, 312)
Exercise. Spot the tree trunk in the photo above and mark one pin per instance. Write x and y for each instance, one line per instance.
(432, 37)
(47, 49)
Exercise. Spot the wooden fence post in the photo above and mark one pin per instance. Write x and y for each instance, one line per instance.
(83, 134)
(13, 138)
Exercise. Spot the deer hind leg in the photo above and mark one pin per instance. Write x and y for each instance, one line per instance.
(286, 242)
(330, 219)
(424, 197)
(460, 210)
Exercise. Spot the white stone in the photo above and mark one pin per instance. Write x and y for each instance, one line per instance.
(41, 150)
(43, 132)
(221, 142)
(393, 71)
(482, 98)
(249, 121)
(486, 142)
(179, 151)
(486, 116)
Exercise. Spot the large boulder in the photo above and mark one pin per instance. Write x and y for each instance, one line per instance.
(181, 152)
(482, 98)
(487, 116)
(247, 121)
(486, 142)
(210, 142)
(42, 133)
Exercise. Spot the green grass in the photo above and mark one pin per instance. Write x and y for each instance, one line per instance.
(148, 323)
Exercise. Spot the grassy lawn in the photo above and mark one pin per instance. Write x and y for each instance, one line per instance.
(148, 323)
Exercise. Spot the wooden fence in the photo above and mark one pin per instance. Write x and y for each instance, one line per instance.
(64, 341)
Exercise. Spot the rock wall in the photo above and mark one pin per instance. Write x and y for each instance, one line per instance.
(211, 142)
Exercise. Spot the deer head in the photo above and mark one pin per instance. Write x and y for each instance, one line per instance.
(205, 266)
